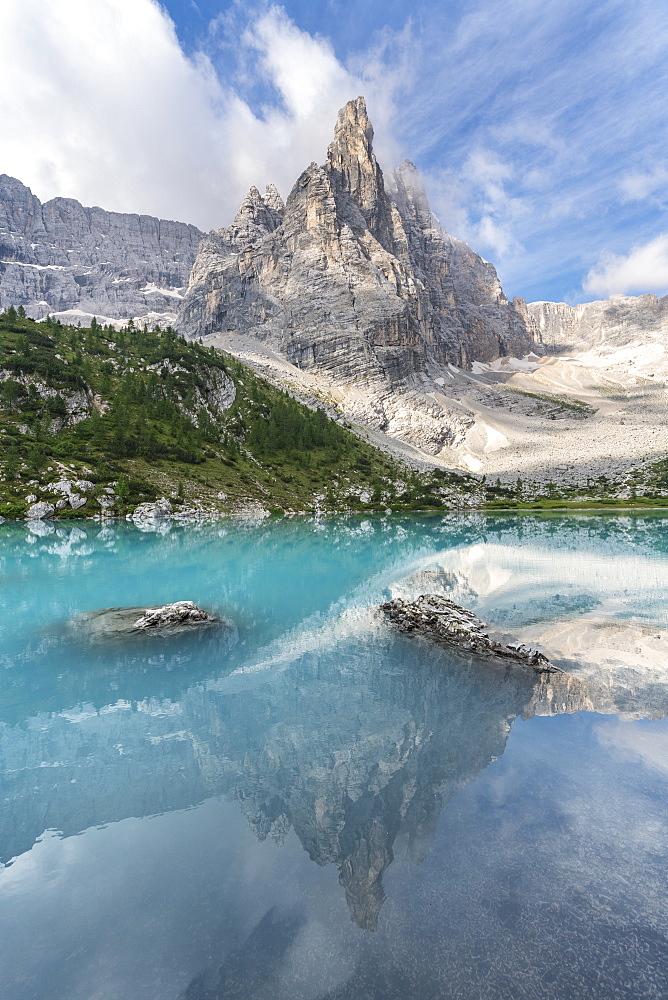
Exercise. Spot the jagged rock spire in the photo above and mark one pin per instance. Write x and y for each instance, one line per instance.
(273, 199)
(256, 213)
(351, 150)
(250, 206)
(345, 280)
(352, 164)
(410, 195)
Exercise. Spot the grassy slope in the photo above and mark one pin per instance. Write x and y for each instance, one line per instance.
(148, 429)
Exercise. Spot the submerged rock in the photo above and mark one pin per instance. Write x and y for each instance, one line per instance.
(443, 620)
(119, 623)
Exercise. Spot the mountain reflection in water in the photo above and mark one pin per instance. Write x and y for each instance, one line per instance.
(350, 748)
(316, 716)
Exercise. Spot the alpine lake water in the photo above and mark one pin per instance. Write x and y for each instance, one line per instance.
(304, 803)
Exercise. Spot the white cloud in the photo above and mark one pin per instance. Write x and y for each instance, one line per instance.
(305, 69)
(477, 206)
(647, 743)
(498, 236)
(489, 171)
(99, 102)
(641, 185)
(643, 269)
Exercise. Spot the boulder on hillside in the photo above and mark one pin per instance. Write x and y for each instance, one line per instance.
(38, 511)
(152, 511)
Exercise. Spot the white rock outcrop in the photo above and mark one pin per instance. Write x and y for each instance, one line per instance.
(179, 613)
(40, 510)
(152, 511)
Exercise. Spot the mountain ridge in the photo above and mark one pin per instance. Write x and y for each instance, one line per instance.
(607, 323)
(61, 258)
(350, 293)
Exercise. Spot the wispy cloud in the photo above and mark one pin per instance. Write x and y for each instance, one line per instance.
(478, 206)
(648, 743)
(640, 185)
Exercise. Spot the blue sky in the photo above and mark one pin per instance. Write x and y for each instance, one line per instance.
(540, 127)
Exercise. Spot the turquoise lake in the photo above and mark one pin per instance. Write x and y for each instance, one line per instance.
(304, 803)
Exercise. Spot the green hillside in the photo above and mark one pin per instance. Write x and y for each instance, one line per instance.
(142, 414)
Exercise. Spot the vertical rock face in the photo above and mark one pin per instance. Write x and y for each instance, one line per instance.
(465, 301)
(616, 322)
(349, 280)
(357, 180)
(60, 256)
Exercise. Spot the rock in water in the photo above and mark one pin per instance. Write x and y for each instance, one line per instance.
(180, 613)
(114, 624)
(438, 618)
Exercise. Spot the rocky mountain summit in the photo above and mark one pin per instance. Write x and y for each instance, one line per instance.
(66, 260)
(346, 278)
(355, 280)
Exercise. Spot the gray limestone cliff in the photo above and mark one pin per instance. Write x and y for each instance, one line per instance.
(620, 321)
(350, 278)
(59, 257)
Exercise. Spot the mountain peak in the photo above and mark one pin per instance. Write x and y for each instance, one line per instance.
(410, 195)
(354, 116)
(256, 212)
(273, 199)
(350, 154)
(356, 175)
(347, 283)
